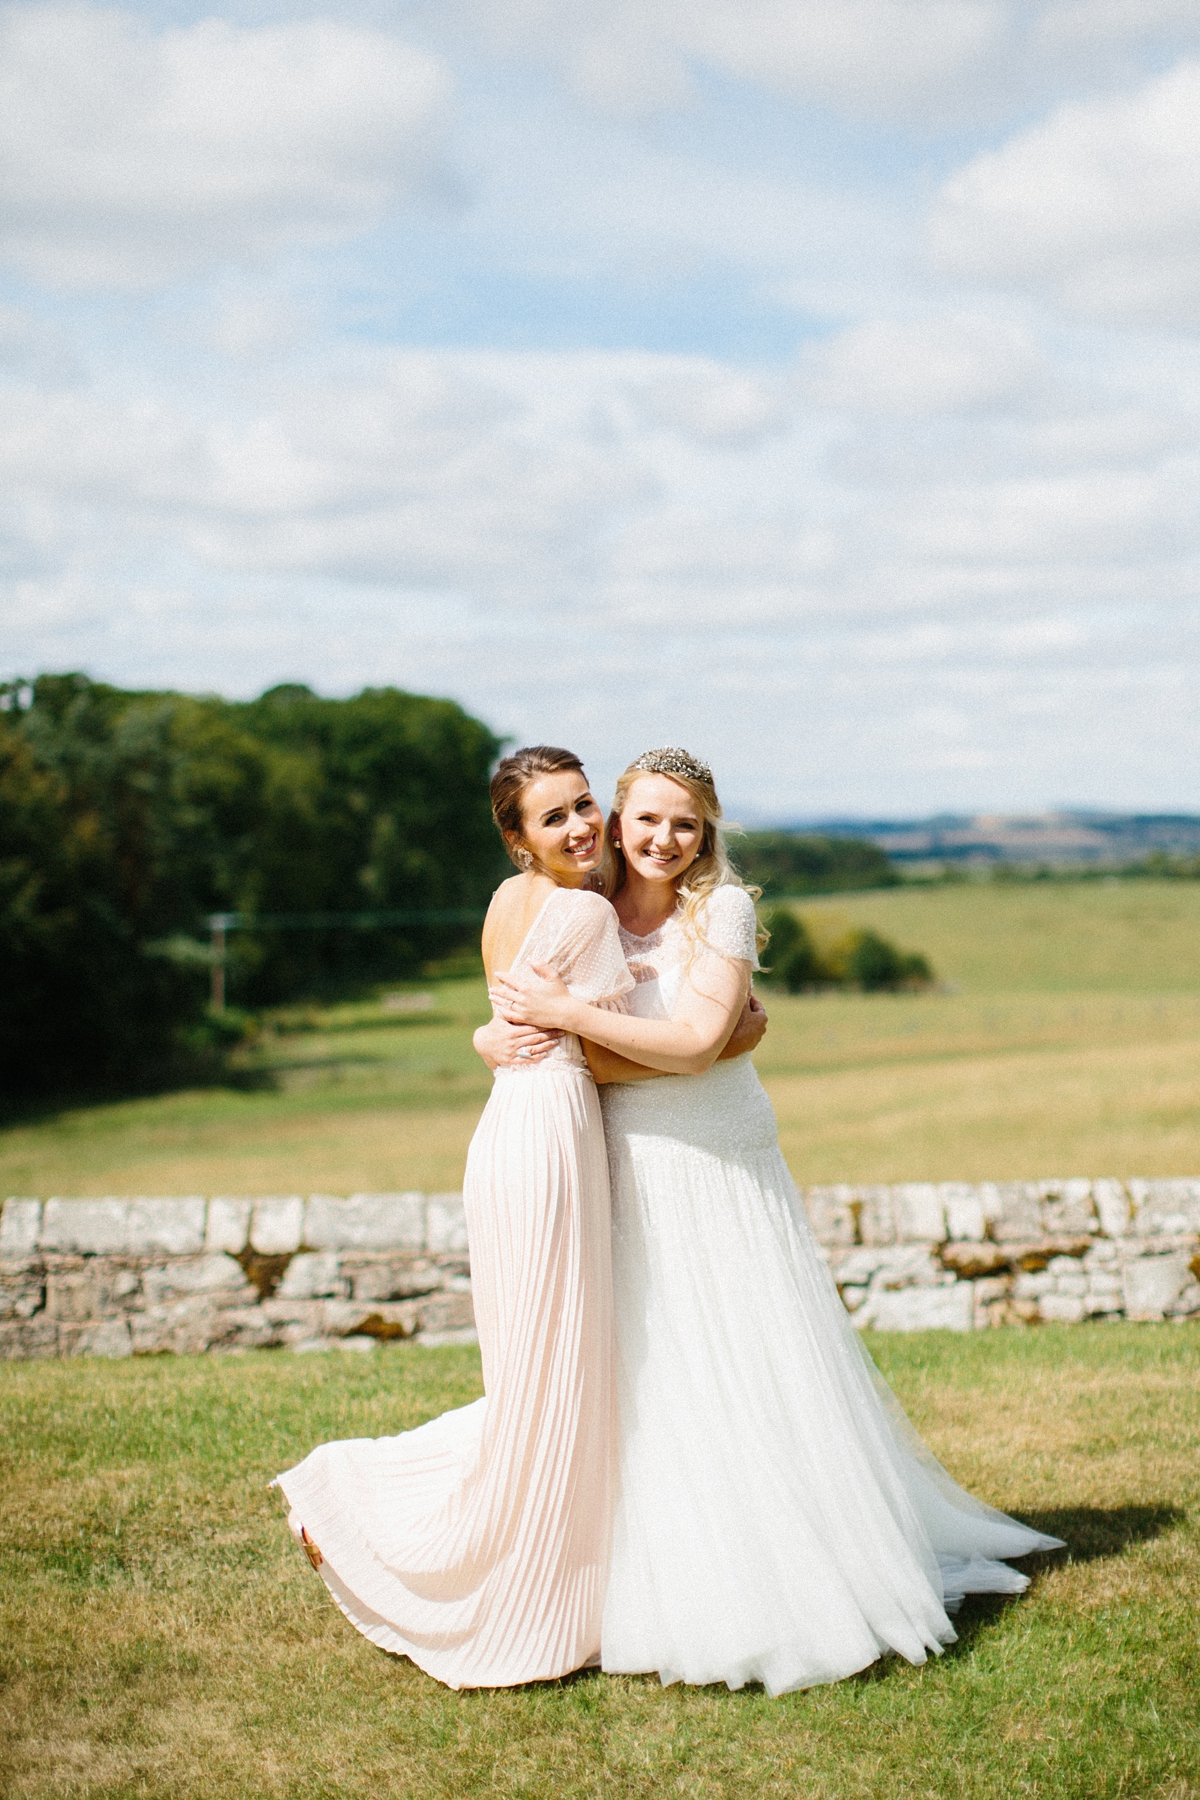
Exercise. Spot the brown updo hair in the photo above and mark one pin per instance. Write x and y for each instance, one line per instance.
(513, 775)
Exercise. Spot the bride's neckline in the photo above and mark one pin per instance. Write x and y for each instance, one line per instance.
(648, 937)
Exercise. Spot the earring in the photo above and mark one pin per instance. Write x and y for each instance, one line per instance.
(525, 858)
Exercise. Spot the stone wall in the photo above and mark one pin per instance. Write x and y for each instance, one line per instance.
(119, 1277)
(127, 1277)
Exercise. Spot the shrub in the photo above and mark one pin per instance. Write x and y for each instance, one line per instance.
(861, 959)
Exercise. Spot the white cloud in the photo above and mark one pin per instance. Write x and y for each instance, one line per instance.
(130, 158)
(1098, 206)
(948, 364)
(923, 63)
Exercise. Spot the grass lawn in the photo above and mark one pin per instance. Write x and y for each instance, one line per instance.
(1068, 1043)
(163, 1638)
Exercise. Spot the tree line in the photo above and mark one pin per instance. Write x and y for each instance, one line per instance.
(793, 862)
(128, 817)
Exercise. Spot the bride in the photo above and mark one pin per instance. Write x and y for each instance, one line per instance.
(478, 1545)
(777, 1517)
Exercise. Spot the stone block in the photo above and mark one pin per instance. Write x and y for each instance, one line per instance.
(182, 1326)
(387, 1319)
(30, 1340)
(395, 1279)
(891, 1265)
(445, 1224)
(1112, 1208)
(992, 1287)
(1032, 1257)
(20, 1226)
(853, 1297)
(966, 1220)
(1067, 1207)
(365, 1222)
(1166, 1208)
(1187, 1302)
(1105, 1281)
(1019, 1211)
(969, 1259)
(1101, 1305)
(876, 1216)
(1062, 1309)
(444, 1312)
(437, 1340)
(73, 1295)
(205, 1275)
(291, 1321)
(1152, 1284)
(107, 1337)
(920, 1214)
(1064, 1265)
(277, 1228)
(166, 1227)
(950, 1308)
(1032, 1287)
(87, 1227)
(1101, 1255)
(313, 1275)
(831, 1215)
(21, 1296)
(228, 1225)
(1071, 1284)
(245, 1326)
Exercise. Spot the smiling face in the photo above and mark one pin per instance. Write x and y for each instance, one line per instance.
(562, 827)
(660, 828)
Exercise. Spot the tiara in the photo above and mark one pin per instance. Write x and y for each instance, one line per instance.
(673, 761)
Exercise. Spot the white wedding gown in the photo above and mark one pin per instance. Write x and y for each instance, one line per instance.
(777, 1519)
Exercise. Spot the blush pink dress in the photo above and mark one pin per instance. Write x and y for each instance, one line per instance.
(478, 1544)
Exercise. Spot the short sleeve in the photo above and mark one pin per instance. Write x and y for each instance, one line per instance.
(729, 924)
(577, 934)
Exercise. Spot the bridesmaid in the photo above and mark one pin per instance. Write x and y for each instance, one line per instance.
(478, 1544)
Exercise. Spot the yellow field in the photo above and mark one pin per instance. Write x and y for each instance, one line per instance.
(1065, 1040)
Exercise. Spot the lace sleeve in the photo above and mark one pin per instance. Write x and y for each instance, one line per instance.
(577, 934)
(729, 925)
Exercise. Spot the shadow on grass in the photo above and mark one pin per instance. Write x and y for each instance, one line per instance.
(1095, 1531)
(1091, 1532)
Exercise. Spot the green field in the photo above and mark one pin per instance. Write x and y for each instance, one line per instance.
(162, 1639)
(1064, 1039)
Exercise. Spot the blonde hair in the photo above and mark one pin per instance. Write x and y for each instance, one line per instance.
(711, 868)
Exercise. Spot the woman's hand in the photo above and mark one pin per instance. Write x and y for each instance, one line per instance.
(534, 996)
(749, 1031)
(505, 1046)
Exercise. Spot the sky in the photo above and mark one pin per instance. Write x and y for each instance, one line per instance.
(814, 385)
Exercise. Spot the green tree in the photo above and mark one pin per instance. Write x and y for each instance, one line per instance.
(788, 862)
(125, 818)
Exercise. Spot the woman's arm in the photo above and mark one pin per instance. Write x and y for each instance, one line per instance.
(687, 1044)
(505, 1046)
(607, 1066)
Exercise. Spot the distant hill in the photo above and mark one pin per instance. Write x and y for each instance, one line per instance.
(1060, 839)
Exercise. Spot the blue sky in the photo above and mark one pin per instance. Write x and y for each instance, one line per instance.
(815, 385)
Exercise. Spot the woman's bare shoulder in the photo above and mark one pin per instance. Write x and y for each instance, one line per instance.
(511, 893)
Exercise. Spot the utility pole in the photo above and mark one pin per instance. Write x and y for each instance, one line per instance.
(218, 924)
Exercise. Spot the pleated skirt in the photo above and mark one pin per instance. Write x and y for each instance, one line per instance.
(478, 1544)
